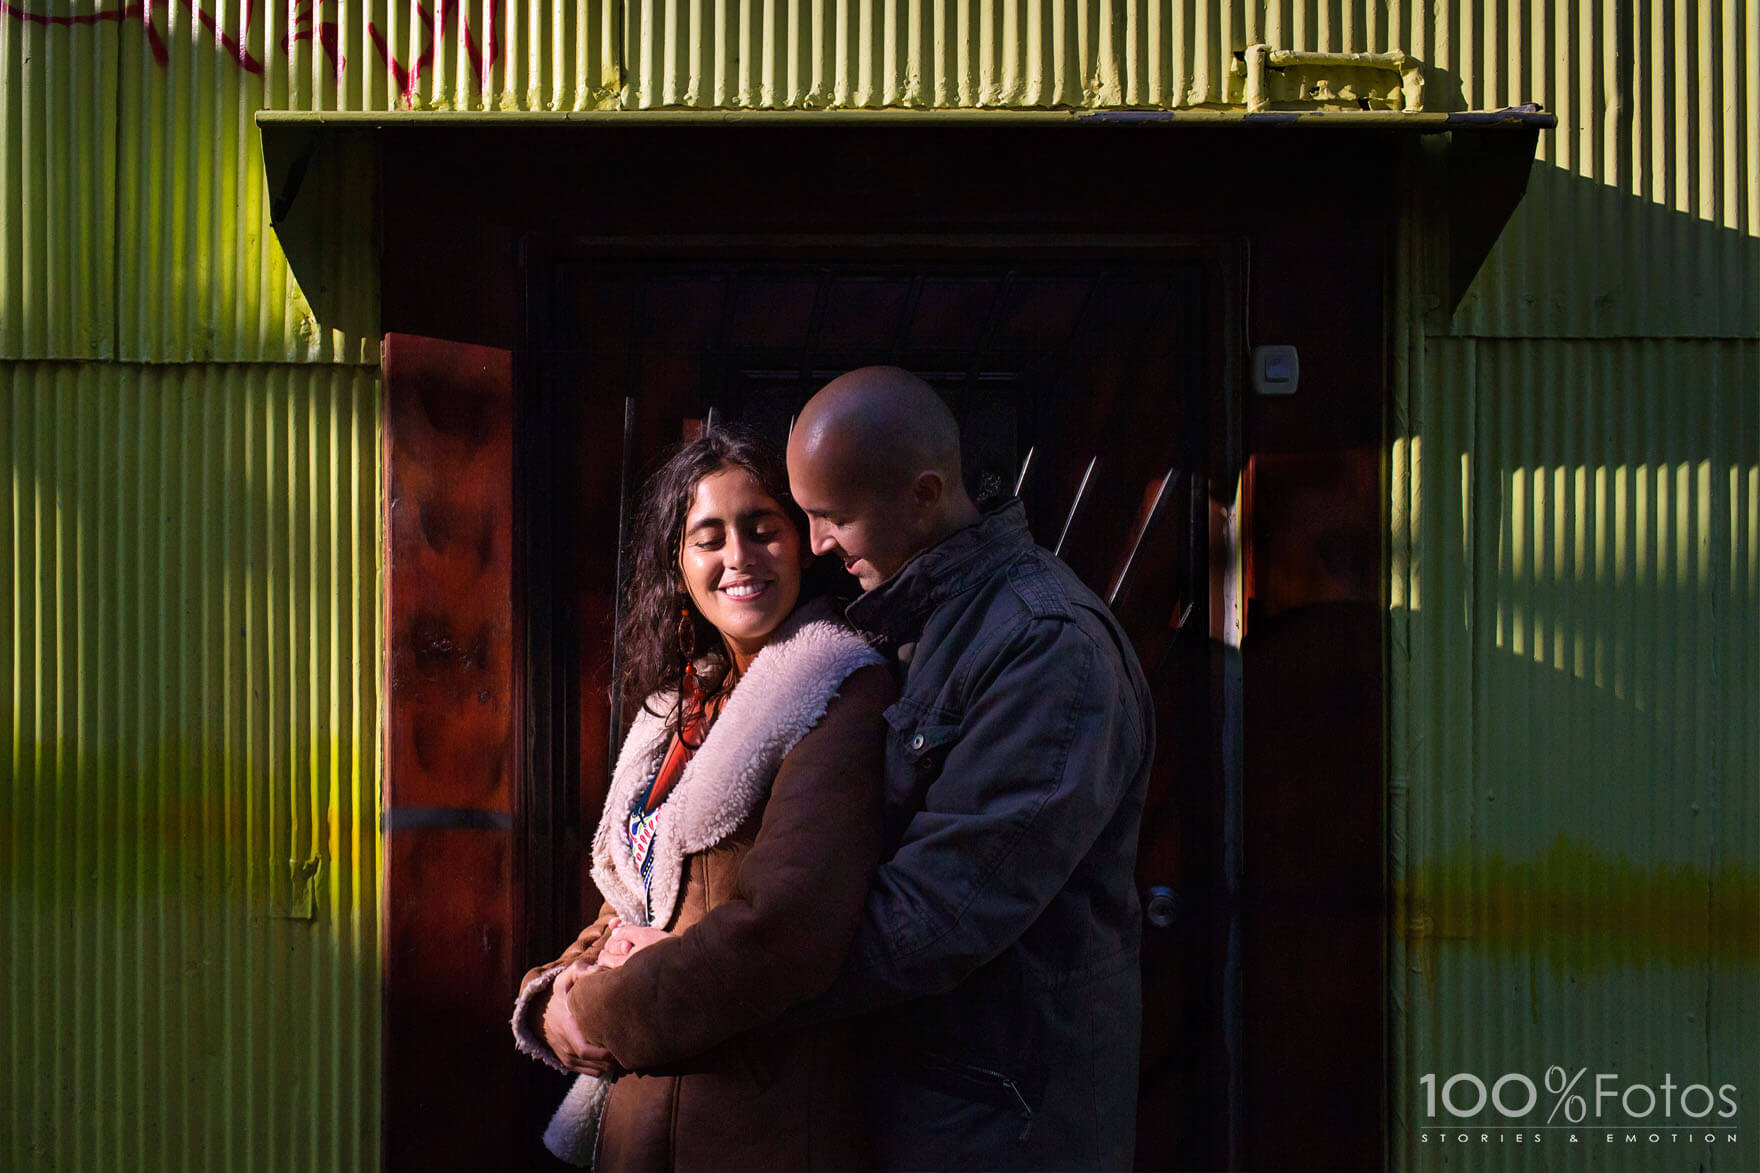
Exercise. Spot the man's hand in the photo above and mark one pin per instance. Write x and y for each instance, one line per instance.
(564, 1035)
(625, 940)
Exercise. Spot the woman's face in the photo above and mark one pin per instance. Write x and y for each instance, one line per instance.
(742, 559)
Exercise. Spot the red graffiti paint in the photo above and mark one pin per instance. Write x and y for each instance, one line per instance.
(301, 19)
(305, 24)
(143, 12)
(409, 78)
(115, 15)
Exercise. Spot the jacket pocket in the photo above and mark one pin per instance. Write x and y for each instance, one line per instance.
(970, 1082)
(922, 736)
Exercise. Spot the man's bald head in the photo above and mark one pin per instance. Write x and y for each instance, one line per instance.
(874, 460)
(880, 426)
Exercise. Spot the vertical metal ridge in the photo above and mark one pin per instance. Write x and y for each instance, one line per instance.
(1582, 509)
(1655, 126)
(195, 673)
(56, 193)
(212, 278)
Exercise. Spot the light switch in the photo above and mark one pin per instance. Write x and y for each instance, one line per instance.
(1276, 370)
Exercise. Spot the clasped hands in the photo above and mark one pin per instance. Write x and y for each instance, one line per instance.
(566, 1038)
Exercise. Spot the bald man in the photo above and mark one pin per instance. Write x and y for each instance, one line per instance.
(999, 941)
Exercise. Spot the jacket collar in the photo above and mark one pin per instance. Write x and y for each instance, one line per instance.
(895, 611)
(785, 692)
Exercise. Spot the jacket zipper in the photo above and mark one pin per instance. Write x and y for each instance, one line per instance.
(996, 1077)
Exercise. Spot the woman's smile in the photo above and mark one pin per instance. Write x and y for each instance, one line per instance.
(745, 590)
(741, 558)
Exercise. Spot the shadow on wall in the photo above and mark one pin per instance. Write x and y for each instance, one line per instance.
(1578, 597)
(1581, 258)
(191, 827)
(1576, 626)
(196, 554)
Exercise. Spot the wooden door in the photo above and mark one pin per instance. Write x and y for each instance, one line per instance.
(1084, 385)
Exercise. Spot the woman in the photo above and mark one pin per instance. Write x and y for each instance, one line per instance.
(739, 834)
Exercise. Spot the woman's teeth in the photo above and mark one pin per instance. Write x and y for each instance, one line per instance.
(745, 590)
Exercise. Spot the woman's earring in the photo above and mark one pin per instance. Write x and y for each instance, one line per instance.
(687, 636)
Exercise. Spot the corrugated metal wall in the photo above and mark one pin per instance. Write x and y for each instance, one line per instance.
(1575, 628)
(1572, 648)
(1644, 219)
(190, 853)
(1577, 688)
(191, 643)
(57, 190)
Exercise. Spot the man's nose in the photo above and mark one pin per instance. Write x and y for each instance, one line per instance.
(818, 538)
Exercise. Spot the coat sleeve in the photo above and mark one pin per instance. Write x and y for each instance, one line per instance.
(1048, 749)
(534, 989)
(588, 944)
(783, 935)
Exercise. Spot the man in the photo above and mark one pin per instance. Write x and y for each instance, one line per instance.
(1000, 938)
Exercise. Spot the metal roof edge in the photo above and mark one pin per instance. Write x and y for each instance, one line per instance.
(1420, 122)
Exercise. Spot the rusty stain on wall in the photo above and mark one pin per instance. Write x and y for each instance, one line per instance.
(1581, 908)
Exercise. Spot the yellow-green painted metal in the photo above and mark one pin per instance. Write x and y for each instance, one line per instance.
(1576, 733)
(1574, 627)
(189, 855)
(1642, 218)
(57, 190)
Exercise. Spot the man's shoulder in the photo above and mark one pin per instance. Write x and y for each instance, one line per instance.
(1051, 605)
(1034, 597)
(1046, 587)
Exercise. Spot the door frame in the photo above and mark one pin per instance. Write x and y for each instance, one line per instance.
(1088, 181)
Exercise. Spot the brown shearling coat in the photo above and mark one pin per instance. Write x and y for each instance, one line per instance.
(764, 920)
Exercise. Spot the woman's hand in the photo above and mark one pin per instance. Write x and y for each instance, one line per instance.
(571, 1045)
(625, 941)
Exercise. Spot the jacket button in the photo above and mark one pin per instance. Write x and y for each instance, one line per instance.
(918, 741)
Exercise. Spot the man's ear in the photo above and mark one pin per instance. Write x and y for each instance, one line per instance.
(927, 490)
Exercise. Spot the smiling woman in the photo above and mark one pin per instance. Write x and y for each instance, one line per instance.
(757, 751)
(708, 519)
(742, 559)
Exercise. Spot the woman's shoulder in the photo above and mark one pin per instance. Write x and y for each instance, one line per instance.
(870, 688)
(816, 645)
(849, 738)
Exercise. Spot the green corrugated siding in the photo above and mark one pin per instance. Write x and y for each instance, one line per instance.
(1577, 703)
(1643, 217)
(190, 856)
(57, 190)
(1574, 641)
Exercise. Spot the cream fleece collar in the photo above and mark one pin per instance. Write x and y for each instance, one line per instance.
(784, 693)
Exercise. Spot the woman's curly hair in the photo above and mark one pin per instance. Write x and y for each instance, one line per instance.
(652, 660)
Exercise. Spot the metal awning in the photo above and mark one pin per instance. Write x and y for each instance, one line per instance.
(315, 161)
(1514, 118)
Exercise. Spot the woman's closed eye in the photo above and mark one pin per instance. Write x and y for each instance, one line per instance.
(764, 536)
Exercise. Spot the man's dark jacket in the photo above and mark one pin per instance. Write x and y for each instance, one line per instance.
(1002, 933)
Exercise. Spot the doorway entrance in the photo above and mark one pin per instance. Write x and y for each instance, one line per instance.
(533, 365)
(1087, 379)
